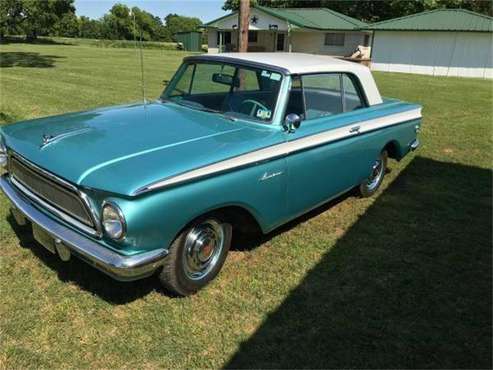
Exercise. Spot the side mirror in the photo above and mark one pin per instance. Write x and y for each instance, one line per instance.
(292, 122)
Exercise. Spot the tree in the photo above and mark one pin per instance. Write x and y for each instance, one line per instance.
(150, 25)
(117, 24)
(9, 13)
(67, 26)
(373, 10)
(33, 17)
(89, 28)
(175, 23)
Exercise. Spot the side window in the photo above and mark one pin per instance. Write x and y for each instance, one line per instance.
(352, 98)
(322, 94)
(295, 101)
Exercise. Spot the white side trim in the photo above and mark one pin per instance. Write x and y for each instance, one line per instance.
(286, 148)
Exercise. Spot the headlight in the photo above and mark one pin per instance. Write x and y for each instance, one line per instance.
(113, 221)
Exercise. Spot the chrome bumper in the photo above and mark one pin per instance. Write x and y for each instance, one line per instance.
(119, 267)
(414, 144)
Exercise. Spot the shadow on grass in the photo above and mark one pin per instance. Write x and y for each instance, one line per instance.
(407, 286)
(7, 118)
(27, 59)
(83, 275)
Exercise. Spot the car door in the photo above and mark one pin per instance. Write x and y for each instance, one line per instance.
(327, 156)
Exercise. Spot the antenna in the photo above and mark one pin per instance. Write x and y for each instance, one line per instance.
(142, 82)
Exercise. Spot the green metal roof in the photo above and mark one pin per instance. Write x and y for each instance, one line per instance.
(438, 20)
(313, 18)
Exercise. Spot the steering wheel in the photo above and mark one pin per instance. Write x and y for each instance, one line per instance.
(255, 105)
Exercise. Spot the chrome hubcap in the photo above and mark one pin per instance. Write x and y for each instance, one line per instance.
(203, 246)
(376, 174)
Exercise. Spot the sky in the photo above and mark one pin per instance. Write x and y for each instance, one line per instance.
(205, 10)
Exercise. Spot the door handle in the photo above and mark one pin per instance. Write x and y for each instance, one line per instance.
(354, 129)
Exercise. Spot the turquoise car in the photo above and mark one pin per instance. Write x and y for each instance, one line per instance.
(236, 142)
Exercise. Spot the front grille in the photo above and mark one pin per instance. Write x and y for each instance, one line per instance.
(58, 196)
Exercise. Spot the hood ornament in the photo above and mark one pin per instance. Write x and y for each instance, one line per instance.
(49, 139)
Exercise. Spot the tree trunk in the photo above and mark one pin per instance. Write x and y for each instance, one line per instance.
(31, 35)
(243, 20)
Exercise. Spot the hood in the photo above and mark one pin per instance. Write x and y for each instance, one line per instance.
(120, 149)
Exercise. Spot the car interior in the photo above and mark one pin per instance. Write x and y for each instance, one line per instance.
(254, 93)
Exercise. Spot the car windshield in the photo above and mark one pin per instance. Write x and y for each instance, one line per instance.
(232, 90)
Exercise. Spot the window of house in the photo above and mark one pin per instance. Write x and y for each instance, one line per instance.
(252, 36)
(366, 41)
(226, 35)
(334, 39)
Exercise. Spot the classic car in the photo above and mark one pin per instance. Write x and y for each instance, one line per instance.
(236, 142)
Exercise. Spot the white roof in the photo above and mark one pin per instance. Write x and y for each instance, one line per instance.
(299, 63)
(295, 62)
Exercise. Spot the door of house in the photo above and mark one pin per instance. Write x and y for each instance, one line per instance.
(280, 42)
(224, 41)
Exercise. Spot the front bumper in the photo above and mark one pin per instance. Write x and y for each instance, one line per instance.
(119, 267)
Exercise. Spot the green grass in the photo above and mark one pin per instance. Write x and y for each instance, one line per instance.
(400, 280)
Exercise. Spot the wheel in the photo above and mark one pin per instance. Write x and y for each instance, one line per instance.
(196, 256)
(369, 187)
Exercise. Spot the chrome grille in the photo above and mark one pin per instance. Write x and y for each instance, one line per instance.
(59, 196)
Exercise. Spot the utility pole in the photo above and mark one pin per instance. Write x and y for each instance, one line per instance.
(243, 21)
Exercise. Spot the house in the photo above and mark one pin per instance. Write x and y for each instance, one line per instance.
(444, 42)
(308, 30)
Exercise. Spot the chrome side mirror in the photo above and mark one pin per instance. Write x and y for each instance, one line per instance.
(292, 122)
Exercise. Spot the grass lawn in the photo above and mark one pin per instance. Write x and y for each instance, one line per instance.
(400, 280)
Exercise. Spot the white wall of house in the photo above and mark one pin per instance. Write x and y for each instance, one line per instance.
(306, 41)
(465, 54)
(212, 46)
(313, 42)
(263, 21)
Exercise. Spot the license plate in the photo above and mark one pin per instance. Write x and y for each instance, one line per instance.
(19, 217)
(43, 238)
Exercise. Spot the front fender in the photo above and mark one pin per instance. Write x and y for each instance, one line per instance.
(154, 219)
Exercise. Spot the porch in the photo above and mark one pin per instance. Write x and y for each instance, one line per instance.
(221, 41)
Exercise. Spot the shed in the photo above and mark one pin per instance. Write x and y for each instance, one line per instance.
(191, 40)
(442, 42)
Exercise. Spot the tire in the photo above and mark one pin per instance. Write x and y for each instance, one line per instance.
(196, 256)
(370, 186)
